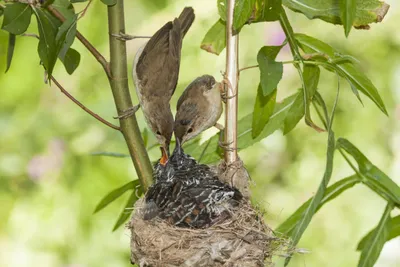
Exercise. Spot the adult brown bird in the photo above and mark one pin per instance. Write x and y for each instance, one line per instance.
(155, 72)
(198, 109)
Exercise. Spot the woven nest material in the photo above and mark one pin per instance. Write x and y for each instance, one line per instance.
(242, 240)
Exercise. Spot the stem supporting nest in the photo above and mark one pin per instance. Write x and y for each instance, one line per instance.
(231, 78)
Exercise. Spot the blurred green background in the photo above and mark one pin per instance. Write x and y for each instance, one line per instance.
(50, 183)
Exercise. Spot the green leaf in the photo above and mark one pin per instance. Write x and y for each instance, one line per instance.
(127, 211)
(111, 154)
(116, 193)
(347, 14)
(17, 17)
(312, 208)
(77, 1)
(372, 176)
(145, 137)
(109, 2)
(310, 78)
(65, 37)
(252, 11)
(367, 11)
(71, 60)
(263, 109)
(347, 70)
(65, 8)
(215, 39)
(210, 150)
(10, 50)
(270, 70)
(242, 12)
(1, 11)
(375, 242)
(394, 231)
(47, 47)
(331, 192)
(267, 10)
(296, 112)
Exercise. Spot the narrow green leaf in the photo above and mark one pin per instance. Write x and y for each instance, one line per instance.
(245, 138)
(47, 47)
(354, 76)
(270, 70)
(1, 11)
(394, 231)
(111, 154)
(312, 208)
(78, 1)
(145, 137)
(215, 39)
(263, 109)
(17, 17)
(116, 193)
(331, 192)
(127, 211)
(310, 79)
(372, 176)
(242, 12)
(367, 11)
(375, 242)
(296, 112)
(10, 50)
(64, 39)
(109, 2)
(290, 36)
(348, 14)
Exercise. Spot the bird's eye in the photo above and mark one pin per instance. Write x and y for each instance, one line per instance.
(158, 133)
(190, 130)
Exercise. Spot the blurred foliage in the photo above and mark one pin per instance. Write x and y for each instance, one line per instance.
(50, 182)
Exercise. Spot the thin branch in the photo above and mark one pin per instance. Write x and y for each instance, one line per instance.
(31, 35)
(231, 80)
(83, 12)
(85, 42)
(249, 67)
(97, 117)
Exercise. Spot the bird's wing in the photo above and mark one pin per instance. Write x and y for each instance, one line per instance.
(186, 19)
(158, 66)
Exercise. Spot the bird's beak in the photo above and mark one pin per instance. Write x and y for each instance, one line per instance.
(164, 156)
(178, 147)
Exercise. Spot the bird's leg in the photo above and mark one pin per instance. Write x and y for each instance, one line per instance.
(127, 37)
(129, 112)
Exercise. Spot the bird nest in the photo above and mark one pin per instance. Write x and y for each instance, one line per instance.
(242, 240)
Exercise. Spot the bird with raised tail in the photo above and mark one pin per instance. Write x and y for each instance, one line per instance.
(155, 72)
(198, 109)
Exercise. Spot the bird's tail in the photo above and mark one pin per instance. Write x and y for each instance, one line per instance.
(186, 19)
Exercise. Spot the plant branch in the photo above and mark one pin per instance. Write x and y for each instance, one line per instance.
(84, 41)
(96, 116)
(231, 78)
(122, 97)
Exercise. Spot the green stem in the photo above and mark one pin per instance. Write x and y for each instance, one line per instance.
(120, 89)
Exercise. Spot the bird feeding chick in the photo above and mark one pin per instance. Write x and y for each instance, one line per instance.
(198, 108)
(155, 72)
(189, 194)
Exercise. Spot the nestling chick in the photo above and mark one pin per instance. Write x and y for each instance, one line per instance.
(155, 72)
(198, 109)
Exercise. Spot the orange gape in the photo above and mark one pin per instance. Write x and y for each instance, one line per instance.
(164, 157)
